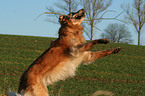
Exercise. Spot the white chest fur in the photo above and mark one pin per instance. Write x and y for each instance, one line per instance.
(63, 70)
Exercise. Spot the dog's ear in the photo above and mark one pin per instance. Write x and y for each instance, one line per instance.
(60, 18)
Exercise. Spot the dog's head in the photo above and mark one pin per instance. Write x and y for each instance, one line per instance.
(74, 18)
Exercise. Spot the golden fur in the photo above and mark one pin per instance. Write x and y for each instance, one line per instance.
(61, 60)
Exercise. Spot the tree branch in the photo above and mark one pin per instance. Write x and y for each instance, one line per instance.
(49, 13)
(115, 18)
(106, 12)
(109, 19)
(119, 14)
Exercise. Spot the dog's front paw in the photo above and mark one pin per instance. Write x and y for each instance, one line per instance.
(106, 41)
(116, 50)
(103, 41)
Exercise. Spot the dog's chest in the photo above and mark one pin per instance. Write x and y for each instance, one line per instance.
(75, 39)
(63, 70)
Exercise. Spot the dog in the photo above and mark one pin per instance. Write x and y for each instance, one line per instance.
(71, 30)
(62, 58)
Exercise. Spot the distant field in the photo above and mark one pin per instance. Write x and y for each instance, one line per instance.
(123, 73)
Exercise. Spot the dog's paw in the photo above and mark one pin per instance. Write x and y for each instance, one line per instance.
(101, 41)
(105, 41)
(116, 50)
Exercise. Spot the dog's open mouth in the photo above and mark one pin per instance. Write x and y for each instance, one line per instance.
(80, 14)
(77, 15)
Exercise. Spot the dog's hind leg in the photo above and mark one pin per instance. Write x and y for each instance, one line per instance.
(92, 56)
(38, 89)
(41, 90)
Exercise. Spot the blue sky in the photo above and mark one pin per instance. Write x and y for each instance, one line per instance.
(17, 17)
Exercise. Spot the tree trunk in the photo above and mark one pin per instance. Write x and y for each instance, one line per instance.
(139, 37)
(92, 26)
(91, 30)
(69, 6)
(118, 40)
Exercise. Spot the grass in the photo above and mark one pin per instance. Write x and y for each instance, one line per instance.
(123, 73)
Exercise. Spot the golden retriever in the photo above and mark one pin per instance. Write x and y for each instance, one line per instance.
(62, 58)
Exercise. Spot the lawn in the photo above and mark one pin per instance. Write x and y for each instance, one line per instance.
(123, 74)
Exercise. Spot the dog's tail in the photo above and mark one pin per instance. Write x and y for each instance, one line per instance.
(13, 93)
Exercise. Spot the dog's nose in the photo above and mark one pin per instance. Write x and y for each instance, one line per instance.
(82, 10)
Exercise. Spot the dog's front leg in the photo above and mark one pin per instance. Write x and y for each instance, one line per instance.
(87, 46)
(92, 56)
(101, 41)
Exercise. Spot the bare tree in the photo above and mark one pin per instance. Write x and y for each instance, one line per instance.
(136, 15)
(93, 9)
(65, 7)
(118, 33)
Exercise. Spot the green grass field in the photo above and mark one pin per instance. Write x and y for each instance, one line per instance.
(123, 73)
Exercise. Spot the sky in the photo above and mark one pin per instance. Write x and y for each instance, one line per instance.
(17, 18)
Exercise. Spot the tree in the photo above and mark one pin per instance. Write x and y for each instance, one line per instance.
(136, 15)
(65, 7)
(93, 9)
(118, 33)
